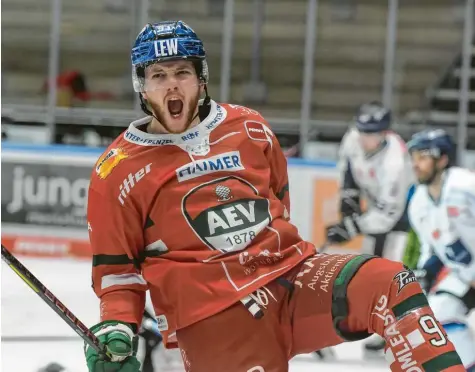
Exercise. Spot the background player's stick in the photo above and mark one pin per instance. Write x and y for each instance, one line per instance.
(54, 303)
(324, 247)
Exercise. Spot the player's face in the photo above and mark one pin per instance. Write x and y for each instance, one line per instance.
(424, 166)
(173, 90)
(370, 142)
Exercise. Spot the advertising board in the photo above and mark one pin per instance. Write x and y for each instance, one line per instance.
(44, 198)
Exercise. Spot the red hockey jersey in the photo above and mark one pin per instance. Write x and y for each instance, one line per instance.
(200, 219)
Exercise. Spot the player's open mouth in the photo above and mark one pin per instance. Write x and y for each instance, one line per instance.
(175, 107)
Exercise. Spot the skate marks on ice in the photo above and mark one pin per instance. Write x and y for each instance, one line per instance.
(70, 355)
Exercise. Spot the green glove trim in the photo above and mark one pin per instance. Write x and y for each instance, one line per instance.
(121, 344)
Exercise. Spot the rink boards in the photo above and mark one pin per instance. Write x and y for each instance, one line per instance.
(44, 197)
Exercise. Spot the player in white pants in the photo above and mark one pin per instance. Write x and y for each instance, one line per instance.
(442, 213)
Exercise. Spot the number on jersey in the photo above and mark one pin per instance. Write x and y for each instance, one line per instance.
(430, 326)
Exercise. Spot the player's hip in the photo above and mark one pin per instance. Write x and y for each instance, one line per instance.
(207, 289)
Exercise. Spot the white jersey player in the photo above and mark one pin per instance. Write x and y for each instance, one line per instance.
(442, 213)
(374, 165)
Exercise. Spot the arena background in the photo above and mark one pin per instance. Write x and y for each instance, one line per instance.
(306, 65)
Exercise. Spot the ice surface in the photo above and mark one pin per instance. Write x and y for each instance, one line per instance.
(24, 315)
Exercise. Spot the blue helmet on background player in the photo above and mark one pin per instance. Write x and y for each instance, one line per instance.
(163, 42)
(372, 121)
(433, 142)
(373, 117)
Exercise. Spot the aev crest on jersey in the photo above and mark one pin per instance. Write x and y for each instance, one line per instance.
(231, 221)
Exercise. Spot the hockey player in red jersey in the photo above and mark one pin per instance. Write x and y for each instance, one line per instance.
(192, 204)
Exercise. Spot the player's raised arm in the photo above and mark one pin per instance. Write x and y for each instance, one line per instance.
(116, 236)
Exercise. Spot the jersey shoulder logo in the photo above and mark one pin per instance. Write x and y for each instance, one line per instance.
(258, 131)
(107, 162)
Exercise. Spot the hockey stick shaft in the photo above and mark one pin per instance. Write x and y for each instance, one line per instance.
(323, 247)
(53, 302)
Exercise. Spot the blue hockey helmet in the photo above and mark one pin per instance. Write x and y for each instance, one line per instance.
(436, 142)
(166, 41)
(373, 117)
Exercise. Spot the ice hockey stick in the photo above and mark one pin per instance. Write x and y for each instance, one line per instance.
(54, 303)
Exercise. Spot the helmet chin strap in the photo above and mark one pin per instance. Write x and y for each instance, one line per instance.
(203, 110)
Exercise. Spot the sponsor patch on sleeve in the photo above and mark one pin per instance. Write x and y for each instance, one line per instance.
(257, 131)
(404, 278)
(107, 162)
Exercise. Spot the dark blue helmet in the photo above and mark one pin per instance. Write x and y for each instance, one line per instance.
(166, 41)
(373, 117)
(436, 142)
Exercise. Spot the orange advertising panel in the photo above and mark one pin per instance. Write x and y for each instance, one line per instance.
(40, 246)
(325, 212)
